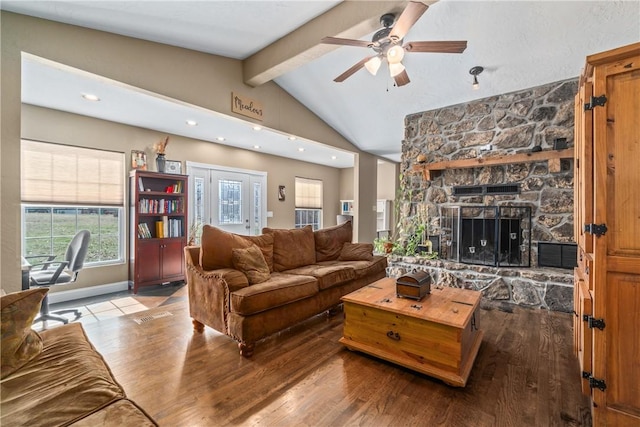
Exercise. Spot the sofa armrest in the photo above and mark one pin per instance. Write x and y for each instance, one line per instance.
(208, 295)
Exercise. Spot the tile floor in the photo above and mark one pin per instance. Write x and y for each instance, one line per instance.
(108, 306)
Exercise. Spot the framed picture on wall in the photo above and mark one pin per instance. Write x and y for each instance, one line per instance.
(138, 160)
(281, 193)
(173, 166)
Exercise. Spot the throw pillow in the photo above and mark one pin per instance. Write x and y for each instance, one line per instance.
(292, 248)
(252, 263)
(20, 343)
(356, 252)
(217, 246)
(265, 243)
(329, 241)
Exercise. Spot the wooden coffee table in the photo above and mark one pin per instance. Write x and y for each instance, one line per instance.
(437, 335)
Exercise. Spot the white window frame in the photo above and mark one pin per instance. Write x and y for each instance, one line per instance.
(308, 200)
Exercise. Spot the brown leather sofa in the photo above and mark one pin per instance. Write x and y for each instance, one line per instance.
(56, 377)
(299, 274)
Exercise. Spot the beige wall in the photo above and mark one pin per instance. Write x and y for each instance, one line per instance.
(387, 180)
(197, 78)
(346, 184)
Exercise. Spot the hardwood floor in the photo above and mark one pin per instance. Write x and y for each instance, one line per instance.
(525, 375)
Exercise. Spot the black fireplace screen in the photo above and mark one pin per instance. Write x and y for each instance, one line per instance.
(487, 235)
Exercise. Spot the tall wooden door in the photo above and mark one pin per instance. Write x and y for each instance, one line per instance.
(616, 153)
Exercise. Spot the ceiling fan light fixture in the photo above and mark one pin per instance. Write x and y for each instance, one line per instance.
(395, 69)
(474, 71)
(373, 65)
(395, 54)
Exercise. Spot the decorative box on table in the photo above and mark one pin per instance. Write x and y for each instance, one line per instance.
(414, 285)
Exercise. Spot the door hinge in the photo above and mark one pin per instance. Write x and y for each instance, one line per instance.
(596, 229)
(593, 322)
(586, 374)
(596, 383)
(595, 101)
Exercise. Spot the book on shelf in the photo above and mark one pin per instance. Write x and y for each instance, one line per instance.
(143, 231)
(159, 229)
(140, 185)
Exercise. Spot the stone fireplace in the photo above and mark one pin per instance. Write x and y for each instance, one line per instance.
(491, 201)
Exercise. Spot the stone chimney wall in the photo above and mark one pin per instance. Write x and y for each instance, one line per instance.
(510, 123)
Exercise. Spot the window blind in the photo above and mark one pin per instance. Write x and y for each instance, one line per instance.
(308, 193)
(63, 174)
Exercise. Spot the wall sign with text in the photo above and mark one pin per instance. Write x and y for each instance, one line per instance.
(246, 106)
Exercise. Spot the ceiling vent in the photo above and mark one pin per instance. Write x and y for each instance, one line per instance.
(474, 190)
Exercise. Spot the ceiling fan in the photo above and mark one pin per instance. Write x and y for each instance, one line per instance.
(387, 44)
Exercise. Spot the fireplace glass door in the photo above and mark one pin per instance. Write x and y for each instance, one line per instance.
(487, 235)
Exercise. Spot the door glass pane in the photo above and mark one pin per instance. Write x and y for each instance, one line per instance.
(229, 202)
(198, 204)
(257, 208)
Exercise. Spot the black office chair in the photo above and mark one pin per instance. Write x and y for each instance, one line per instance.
(52, 272)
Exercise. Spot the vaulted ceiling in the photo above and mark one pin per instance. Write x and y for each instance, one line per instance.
(520, 44)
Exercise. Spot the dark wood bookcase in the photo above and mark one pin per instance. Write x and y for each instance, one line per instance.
(158, 232)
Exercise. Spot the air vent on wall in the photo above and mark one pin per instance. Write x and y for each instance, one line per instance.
(472, 190)
(468, 190)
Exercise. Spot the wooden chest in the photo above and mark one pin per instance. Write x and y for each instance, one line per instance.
(437, 336)
(413, 285)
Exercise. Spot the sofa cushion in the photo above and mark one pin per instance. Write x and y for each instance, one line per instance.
(250, 261)
(292, 248)
(362, 268)
(19, 343)
(69, 378)
(327, 275)
(217, 246)
(356, 252)
(279, 290)
(329, 241)
(265, 243)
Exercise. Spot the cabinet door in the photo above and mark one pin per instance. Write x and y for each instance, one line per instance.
(583, 182)
(172, 263)
(148, 261)
(583, 333)
(616, 266)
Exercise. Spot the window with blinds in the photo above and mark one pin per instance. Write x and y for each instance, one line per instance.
(65, 189)
(308, 200)
(63, 174)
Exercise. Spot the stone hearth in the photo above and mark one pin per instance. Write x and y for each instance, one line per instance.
(548, 288)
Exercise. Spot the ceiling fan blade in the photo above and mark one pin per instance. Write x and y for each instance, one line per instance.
(408, 17)
(402, 78)
(342, 77)
(345, 42)
(439, 47)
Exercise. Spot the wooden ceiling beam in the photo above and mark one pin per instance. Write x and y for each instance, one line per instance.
(350, 19)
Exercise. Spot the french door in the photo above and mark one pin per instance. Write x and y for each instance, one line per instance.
(230, 199)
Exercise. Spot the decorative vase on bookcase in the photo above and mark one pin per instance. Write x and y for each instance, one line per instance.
(160, 162)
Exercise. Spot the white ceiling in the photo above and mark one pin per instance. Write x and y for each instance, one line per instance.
(520, 44)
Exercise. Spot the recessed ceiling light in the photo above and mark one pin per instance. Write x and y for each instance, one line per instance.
(333, 157)
(90, 97)
(301, 149)
(192, 123)
(257, 127)
(220, 138)
(257, 147)
(292, 138)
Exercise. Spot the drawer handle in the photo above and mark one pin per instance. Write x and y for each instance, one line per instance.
(393, 335)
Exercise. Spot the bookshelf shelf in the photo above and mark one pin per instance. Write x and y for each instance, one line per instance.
(158, 218)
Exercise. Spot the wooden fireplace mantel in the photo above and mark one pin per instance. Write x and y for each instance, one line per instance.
(553, 157)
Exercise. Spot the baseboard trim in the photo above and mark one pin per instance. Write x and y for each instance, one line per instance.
(91, 291)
